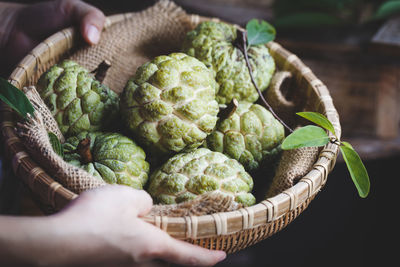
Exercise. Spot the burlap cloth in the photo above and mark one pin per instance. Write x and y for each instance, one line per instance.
(159, 30)
(127, 45)
(34, 133)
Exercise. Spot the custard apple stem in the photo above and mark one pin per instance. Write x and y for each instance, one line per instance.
(101, 70)
(229, 110)
(241, 42)
(83, 150)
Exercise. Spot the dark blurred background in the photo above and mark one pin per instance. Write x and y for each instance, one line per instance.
(353, 46)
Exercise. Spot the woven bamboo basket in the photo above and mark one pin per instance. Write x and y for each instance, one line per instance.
(228, 231)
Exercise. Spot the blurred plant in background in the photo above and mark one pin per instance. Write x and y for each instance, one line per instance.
(331, 13)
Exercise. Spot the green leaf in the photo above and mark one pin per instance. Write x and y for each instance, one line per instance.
(318, 119)
(357, 170)
(259, 32)
(56, 144)
(387, 9)
(307, 20)
(306, 136)
(15, 98)
(347, 144)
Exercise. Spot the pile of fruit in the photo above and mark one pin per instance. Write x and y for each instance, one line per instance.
(178, 110)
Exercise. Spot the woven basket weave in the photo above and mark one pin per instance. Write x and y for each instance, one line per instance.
(228, 231)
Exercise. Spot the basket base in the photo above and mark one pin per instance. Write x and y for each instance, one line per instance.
(245, 238)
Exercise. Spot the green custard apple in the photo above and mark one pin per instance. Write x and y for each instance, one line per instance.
(250, 135)
(169, 105)
(187, 175)
(76, 100)
(212, 43)
(109, 156)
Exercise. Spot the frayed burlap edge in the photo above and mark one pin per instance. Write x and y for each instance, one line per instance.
(49, 123)
(34, 135)
(207, 203)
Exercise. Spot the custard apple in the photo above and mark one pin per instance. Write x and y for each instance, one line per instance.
(250, 135)
(113, 157)
(211, 43)
(76, 100)
(169, 105)
(186, 175)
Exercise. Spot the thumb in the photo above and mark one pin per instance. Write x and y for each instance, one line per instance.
(139, 202)
(117, 198)
(91, 21)
(42, 19)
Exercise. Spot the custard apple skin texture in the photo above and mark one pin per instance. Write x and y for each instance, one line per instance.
(186, 175)
(211, 43)
(169, 105)
(116, 158)
(250, 135)
(76, 100)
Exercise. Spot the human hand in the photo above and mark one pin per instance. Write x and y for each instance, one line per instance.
(104, 227)
(31, 24)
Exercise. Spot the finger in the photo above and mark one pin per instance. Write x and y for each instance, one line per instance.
(42, 19)
(91, 21)
(180, 252)
(139, 200)
(131, 201)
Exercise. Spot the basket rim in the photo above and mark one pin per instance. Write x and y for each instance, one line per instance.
(190, 227)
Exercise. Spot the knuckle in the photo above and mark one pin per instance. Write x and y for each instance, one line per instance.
(98, 13)
(65, 6)
(146, 197)
(141, 195)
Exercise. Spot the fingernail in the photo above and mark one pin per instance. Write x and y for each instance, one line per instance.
(221, 256)
(93, 34)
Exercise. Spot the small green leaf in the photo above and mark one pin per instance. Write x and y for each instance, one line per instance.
(357, 170)
(344, 143)
(56, 144)
(306, 136)
(387, 9)
(15, 98)
(318, 119)
(259, 32)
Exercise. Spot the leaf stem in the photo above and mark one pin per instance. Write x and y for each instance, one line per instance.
(241, 43)
(335, 141)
